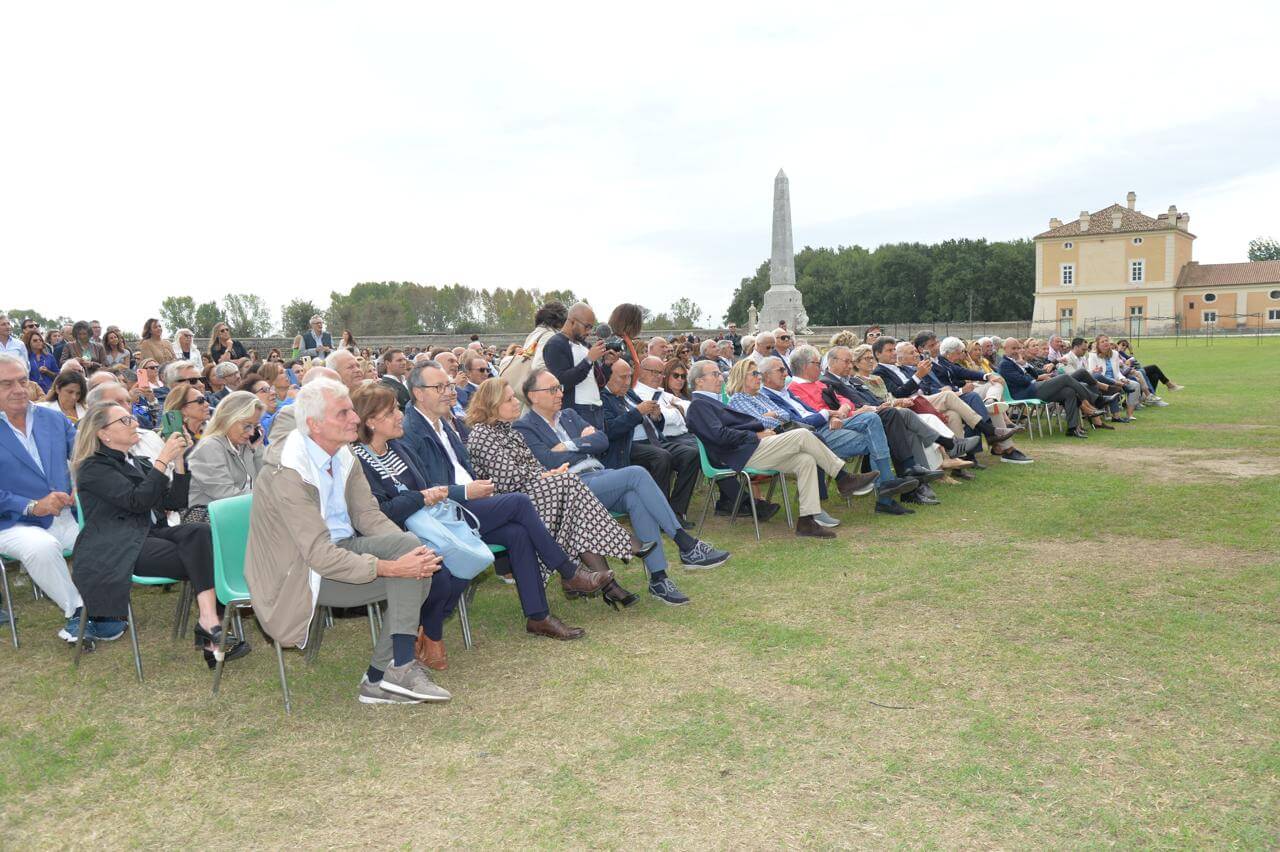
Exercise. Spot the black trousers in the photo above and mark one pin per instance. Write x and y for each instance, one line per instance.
(1068, 392)
(673, 456)
(511, 520)
(1155, 376)
(184, 552)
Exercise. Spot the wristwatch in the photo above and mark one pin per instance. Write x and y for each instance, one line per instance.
(31, 507)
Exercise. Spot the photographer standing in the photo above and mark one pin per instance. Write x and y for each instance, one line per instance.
(626, 321)
(577, 364)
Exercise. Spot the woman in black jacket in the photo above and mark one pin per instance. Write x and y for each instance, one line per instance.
(400, 491)
(124, 499)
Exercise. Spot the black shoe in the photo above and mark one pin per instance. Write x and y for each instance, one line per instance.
(923, 474)
(208, 637)
(892, 508)
(966, 475)
(921, 499)
(685, 522)
(966, 447)
(644, 548)
(1121, 419)
(894, 487)
(977, 465)
(1107, 400)
(234, 652)
(613, 595)
(1077, 433)
(666, 591)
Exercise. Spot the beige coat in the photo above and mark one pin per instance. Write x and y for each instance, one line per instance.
(160, 350)
(288, 539)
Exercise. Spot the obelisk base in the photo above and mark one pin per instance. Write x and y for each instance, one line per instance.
(783, 303)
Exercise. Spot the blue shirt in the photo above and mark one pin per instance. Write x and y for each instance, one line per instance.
(757, 406)
(331, 479)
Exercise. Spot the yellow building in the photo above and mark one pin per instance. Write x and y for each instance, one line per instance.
(1123, 272)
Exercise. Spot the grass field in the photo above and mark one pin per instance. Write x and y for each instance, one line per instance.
(1083, 651)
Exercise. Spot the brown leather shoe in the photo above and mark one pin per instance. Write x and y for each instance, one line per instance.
(849, 485)
(1002, 435)
(1088, 410)
(807, 526)
(586, 582)
(430, 652)
(554, 628)
(956, 464)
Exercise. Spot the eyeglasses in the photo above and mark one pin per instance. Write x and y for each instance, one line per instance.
(200, 401)
(679, 375)
(127, 420)
(266, 389)
(191, 381)
(247, 426)
(440, 388)
(784, 338)
(552, 389)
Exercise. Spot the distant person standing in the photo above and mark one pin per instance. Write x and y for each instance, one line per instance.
(317, 342)
(154, 346)
(8, 342)
(578, 366)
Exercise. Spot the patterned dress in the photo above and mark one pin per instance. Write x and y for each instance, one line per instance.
(576, 519)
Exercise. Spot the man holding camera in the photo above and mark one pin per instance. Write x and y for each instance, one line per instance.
(577, 364)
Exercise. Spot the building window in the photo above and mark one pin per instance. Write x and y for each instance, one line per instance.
(1068, 245)
(1135, 310)
(1211, 297)
(1274, 295)
(1210, 317)
(1137, 241)
(1068, 275)
(1137, 271)
(1273, 314)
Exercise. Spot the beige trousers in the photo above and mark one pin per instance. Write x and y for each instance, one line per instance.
(955, 409)
(799, 452)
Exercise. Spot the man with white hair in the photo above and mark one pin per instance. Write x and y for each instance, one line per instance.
(229, 373)
(947, 372)
(764, 347)
(285, 421)
(184, 348)
(36, 521)
(659, 347)
(316, 341)
(317, 538)
(347, 366)
(724, 352)
(900, 367)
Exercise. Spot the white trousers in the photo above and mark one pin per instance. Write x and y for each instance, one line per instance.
(40, 552)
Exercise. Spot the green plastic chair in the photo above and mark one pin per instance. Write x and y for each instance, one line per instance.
(1033, 409)
(715, 474)
(180, 617)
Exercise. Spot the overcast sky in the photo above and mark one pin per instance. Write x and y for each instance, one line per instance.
(626, 152)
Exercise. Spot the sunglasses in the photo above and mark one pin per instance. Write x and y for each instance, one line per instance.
(678, 375)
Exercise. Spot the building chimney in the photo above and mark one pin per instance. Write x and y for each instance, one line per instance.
(1084, 220)
(1055, 222)
(1116, 218)
(1132, 198)
(1184, 221)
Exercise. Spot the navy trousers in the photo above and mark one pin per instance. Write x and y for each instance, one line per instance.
(511, 521)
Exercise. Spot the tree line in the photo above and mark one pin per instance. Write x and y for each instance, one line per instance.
(906, 282)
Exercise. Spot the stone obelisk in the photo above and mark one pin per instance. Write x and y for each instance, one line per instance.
(782, 301)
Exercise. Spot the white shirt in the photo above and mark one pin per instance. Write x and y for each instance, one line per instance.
(673, 418)
(902, 371)
(460, 475)
(587, 392)
(14, 346)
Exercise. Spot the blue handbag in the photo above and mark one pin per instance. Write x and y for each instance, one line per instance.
(445, 528)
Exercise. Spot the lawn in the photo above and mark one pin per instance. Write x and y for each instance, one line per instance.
(1083, 651)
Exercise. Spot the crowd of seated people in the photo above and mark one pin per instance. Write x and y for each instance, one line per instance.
(589, 447)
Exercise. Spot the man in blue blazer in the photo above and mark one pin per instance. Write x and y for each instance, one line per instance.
(36, 521)
(559, 435)
(1066, 390)
(736, 440)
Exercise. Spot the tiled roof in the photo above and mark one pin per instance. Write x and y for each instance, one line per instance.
(1100, 223)
(1229, 274)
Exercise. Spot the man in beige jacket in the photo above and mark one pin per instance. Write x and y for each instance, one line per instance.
(317, 538)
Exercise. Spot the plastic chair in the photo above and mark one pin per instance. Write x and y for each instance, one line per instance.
(1033, 409)
(715, 474)
(5, 561)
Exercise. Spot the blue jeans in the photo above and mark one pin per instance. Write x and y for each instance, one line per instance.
(862, 435)
(632, 490)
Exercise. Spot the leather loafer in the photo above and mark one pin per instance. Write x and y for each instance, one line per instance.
(1077, 433)
(1003, 435)
(964, 474)
(895, 487)
(852, 484)
(430, 652)
(586, 582)
(923, 474)
(554, 628)
(642, 548)
(809, 528)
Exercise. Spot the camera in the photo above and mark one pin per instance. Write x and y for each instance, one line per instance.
(615, 344)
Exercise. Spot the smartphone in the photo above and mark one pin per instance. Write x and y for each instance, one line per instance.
(657, 395)
(171, 424)
(257, 434)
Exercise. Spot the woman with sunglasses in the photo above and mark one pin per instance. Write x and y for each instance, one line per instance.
(123, 500)
(187, 399)
(222, 347)
(675, 381)
(43, 367)
(227, 460)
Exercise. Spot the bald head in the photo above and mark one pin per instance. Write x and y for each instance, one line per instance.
(102, 377)
(320, 373)
(658, 347)
(619, 378)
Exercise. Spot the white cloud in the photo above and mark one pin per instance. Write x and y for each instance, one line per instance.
(294, 149)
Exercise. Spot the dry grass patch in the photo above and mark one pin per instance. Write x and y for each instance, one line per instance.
(1161, 465)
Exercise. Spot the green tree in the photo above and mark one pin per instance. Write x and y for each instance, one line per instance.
(295, 317)
(374, 307)
(685, 313)
(750, 291)
(208, 314)
(17, 315)
(178, 312)
(247, 315)
(1264, 248)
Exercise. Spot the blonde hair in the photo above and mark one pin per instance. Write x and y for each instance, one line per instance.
(860, 350)
(485, 402)
(235, 407)
(844, 338)
(178, 397)
(87, 443)
(738, 376)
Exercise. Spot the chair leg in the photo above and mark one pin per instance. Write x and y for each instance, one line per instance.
(84, 622)
(284, 681)
(377, 611)
(318, 624)
(328, 617)
(373, 623)
(239, 625)
(465, 621)
(8, 603)
(133, 640)
(177, 614)
(706, 506)
(222, 646)
(746, 489)
(786, 498)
